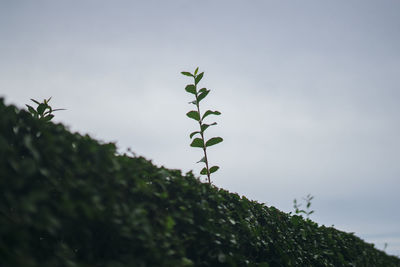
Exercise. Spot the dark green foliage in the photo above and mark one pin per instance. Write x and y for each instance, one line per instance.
(66, 200)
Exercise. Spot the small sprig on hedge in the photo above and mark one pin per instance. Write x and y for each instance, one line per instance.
(43, 111)
(196, 115)
(308, 210)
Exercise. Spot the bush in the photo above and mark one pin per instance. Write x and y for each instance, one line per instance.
(67, 200)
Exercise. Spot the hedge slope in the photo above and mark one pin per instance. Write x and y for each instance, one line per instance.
(67, 200)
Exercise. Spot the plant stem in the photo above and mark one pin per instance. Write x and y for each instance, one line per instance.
(202, 137)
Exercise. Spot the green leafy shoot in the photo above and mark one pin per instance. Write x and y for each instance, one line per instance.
(308, 210)
(200, 141)
(43, 110)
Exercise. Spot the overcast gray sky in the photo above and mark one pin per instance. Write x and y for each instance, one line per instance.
(308, 91)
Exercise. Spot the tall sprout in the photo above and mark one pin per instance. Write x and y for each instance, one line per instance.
(200, 140)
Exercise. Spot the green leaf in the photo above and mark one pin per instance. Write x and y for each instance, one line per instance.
(205, 126)
(194, 102)
(35, 101)
(197, 69)
(202, 95)
(41, 108)
(193, 115)
(48, 118)
(209, 112)
(204, 171)
(187, 73)
(197, 142)
(203, 159)
(191, 88)
(169, 223)
(193, 134)
(198, 78)
(31, 109)
(214, 169)
(214, 141)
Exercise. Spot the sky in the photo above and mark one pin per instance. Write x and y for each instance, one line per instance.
(308, 92)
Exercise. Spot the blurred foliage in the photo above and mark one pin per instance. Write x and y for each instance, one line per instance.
(68, 200)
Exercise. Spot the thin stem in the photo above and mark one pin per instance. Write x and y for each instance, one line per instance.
(205, 159)
(202, 137)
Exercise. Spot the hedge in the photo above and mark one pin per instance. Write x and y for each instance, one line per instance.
(69, 200)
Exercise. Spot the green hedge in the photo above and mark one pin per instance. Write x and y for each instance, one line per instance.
(67, 200)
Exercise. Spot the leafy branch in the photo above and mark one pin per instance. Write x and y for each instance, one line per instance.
(43, 111)
(196, 115)
(308, 210)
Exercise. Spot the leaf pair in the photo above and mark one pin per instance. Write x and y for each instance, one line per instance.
(199, 142)
(202, 129)
(212, 170)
